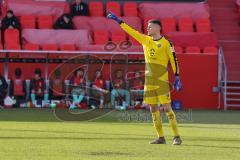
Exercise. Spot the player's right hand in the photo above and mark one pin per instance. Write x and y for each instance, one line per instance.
(177, 84)
(114, 17)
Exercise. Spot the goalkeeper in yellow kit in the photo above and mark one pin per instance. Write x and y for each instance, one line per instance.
(158, 52)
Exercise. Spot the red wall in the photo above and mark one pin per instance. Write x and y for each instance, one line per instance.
(198, 72)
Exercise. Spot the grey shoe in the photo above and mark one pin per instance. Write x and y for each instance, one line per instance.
(160, 140)
(177, 140)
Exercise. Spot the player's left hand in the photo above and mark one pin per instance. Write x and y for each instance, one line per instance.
(114, 17)
(177, 84)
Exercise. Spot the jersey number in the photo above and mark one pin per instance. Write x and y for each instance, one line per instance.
(152, 52)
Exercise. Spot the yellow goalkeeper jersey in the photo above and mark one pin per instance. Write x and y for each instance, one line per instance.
(158, 54)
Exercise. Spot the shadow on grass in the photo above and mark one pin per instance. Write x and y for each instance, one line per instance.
(47, 115)
(210, 127)
(211, 139)
(73, 138)
(211, 146)
(112, 153)
(68, 132)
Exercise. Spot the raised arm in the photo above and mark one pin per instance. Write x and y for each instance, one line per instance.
(132, 32)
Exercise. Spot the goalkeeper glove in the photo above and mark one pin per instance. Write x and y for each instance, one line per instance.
(114, 17)
(177, 84)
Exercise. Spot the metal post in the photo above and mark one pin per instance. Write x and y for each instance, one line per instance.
(219, 77)
(6, 66)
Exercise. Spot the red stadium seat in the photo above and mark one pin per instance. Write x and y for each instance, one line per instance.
(96, 9)
(210, 50)
(18, 89)
(28, 22)
(81, 22)
(193, 49)
(185, 24)
(238, 5)
(178, 49)
(45, 22)
(168, 25)
(130, 9)
(98, 23)
(101, 37)
(114, 7)
(11, 39)
(133, 41)
(51, 36)
(175, 9)
(119, 36)
(67, 47)
(134, 22)
(50, 47)
(30, 46)
(113, 26)
(13, 47)
(203, 25)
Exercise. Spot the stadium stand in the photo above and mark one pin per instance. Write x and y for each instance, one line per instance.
(29, 7)
(238, 5)
(130, 9)
(12, 39)
(28, 21)
(178, 20)
(114, 7)
(45, 21)
(101, 23)
(203, 25)
(118, 36)
(161, 10)
(96, 9)
(178, 49)
(50, 36)
(210, 50)
(101, 37)
(1, 47)
(185, 39)
(185, 24)
(67, 47)
(168, 25)
(49, 47)
(30, 46)
(193, 50)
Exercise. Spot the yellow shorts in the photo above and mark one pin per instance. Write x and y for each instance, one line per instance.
(154, 95)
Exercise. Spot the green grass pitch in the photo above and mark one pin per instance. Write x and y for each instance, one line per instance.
(36, 134)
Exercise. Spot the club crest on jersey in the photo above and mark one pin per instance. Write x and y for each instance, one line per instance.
(159, 45)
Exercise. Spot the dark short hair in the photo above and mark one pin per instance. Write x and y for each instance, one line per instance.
(79, 69)
(57, 73)
(38, 71)
(10, 11)
(155, 21)
(18, 72)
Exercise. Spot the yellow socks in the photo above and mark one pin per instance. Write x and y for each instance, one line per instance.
(172, 120)
(157, 121)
